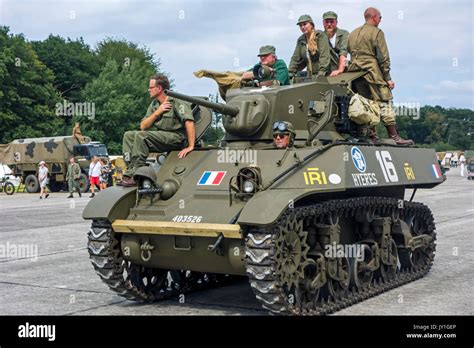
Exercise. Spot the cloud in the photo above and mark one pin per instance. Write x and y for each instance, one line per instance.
(452, 86)
(430, 41)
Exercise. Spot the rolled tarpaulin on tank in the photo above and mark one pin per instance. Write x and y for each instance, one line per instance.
(225, 80)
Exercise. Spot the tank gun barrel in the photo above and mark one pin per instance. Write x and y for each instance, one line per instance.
(222, 108)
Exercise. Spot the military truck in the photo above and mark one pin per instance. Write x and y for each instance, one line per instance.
(316, 227)
(23, 156)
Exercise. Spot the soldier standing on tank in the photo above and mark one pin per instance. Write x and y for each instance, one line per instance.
(72, 176)
(312, 50)
(174, 121)
(267, 55)
(283, 134)
(369, 51)
(337, 39)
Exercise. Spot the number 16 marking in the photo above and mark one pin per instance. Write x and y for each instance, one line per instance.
(388, 169)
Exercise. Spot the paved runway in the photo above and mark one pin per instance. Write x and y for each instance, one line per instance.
(61, 280)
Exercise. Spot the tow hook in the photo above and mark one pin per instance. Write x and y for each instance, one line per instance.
(146, 249)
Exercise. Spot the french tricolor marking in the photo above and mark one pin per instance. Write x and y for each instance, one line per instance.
(212, 178)
(436, 171)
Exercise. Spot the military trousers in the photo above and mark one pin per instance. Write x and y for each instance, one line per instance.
(73, 185)
(380, 94)
(137, 145)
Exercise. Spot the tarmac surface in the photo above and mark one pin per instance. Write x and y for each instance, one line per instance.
(61, 280)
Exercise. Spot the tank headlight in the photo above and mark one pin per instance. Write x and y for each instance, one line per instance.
(146, 184)
(249, 186)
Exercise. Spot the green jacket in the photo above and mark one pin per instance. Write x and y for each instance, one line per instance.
(369, 51)
(172, 120)
(281, 71)
(340, 49)
(321, 61)
(73, 171)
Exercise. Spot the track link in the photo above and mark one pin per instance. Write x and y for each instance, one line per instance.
(261, 251)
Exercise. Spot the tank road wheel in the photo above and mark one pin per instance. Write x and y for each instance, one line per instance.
(338, 288)
(388, 270)
(420, 257)
(147, 281)
(361, 274)
(32, 184)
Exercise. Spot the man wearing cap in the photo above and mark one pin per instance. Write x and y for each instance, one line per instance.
(337, 39)
(369, 51)
(312, 50)
(283, 134)
(268, 58)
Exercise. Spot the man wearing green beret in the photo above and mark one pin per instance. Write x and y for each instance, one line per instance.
(337, 39)
(276, 67)
(312, 50)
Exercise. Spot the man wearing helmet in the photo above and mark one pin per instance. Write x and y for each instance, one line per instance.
(283, 134)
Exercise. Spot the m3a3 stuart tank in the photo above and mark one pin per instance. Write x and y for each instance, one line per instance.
(315, 227)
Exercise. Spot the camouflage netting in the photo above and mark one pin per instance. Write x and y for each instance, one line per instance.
(34, 150)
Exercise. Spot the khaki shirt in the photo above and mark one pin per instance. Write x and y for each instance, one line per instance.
(340, 49)
(73, 171)
(172, 120)
(369, 51)
(321, 61)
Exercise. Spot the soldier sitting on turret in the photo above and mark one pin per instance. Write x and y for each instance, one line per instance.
(283, 134)
(174, 120)
(276, 67)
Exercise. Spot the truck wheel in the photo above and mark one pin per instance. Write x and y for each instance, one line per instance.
(9, 188)
(32, 184)
(84, 183)
(56, 186)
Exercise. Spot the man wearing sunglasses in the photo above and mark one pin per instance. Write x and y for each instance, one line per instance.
(283, 134)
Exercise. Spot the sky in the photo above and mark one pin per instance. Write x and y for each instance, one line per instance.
(430, 42)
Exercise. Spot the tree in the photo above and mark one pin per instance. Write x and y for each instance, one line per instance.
(120, 97)
(27, 94)
(72, 62)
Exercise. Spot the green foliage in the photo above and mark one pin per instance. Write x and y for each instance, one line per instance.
(216, 131)
(27, 94)
(120, 97)
(72, 62)
(440, 128)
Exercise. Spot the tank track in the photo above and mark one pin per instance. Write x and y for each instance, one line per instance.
(261, 250)
(127, 279)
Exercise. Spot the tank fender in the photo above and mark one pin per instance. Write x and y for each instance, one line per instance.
(266, 207)
(113, 203)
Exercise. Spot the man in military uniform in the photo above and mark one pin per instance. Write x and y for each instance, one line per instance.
(283, 134)
(268, 58)
(369, 51)
(312, 50)
(337, 39)
(174, 121)
(73, 175)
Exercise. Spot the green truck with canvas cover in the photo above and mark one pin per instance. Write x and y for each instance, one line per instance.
(24, 155)
(315, 227)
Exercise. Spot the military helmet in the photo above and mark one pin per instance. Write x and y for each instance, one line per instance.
(283, 127)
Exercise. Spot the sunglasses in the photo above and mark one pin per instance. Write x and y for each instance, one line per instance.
(280, 135)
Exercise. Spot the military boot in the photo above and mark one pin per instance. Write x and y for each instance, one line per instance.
(373, 135)
(393, 134)
(363, 132)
